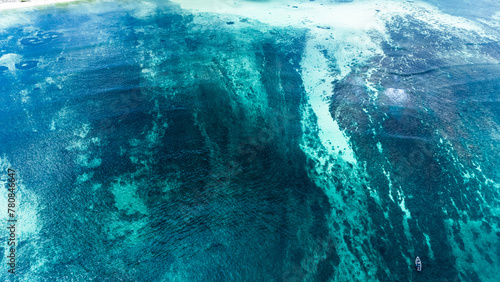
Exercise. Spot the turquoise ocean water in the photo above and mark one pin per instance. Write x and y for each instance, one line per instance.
(252, 140)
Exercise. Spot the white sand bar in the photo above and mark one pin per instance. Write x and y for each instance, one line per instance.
(17, 4)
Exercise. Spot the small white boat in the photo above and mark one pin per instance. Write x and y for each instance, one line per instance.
(418, 264)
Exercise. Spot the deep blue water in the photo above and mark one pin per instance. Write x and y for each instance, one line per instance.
(172, 145)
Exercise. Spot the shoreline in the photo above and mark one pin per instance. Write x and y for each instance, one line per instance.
(6, 5)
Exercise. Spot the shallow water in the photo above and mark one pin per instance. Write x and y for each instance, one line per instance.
(252, 141)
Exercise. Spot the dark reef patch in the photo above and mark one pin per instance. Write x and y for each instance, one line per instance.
(26, 65)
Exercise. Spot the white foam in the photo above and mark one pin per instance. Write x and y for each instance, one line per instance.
(397, 96)
(8, 20)
(403, 206)
(379, 147)
(10, 60)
